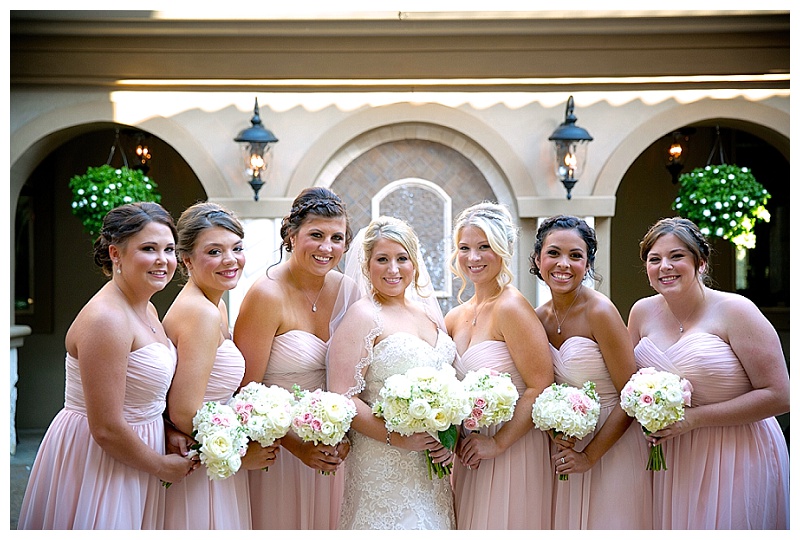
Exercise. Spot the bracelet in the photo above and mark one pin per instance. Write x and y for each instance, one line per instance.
(388, 438)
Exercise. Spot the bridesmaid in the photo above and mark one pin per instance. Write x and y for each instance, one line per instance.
(101, 462)
(504, 478)
(727, 460)
(210, 367)
(588, 341)
(283, 329)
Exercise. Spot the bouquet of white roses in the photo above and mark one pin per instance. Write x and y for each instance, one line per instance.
(655, 399)
(221, 440)
(322, 417)
(425, 399)
(265, 412)
(492, 396)
(567, 410)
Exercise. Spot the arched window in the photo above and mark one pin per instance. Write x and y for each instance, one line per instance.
(428, 209)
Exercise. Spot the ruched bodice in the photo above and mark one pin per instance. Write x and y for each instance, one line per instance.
(74, 483)
(739, 473)
(579, 360)
(489, 354)
(592, 500)
(147, 381)
(297, 357)
(227, 374)
(705, 360)
(199, 503)
(513, 490)
(292, 495)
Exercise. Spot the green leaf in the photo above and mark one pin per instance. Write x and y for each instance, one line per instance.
(449, 437)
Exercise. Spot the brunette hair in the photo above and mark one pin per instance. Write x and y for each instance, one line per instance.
(121, 223)
(689, 234)
(314, 201)
(566, 223)
(198, 218)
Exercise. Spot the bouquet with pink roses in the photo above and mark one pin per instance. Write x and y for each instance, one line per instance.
(568, 410)
(656, 399)
(492, 395)
(265, 412)
(322, 417)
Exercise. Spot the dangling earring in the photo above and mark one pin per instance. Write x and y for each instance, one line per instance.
(119, 267)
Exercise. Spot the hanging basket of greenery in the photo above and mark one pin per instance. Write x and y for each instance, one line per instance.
(724, 201)
(103, 188)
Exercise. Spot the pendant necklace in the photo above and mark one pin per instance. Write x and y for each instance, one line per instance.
(477, 312)
(146, 322)
(555, 311)
(313, 302)
(680, 324)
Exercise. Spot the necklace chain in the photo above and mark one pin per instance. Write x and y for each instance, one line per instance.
(680, 324)
(313, 302)
(478, 310)
(147, 321)
(555, 311)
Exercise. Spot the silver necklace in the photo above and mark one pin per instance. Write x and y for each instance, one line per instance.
(680, 324)
(555, 311)
(146, 322)
(477, 312)
(313, 302)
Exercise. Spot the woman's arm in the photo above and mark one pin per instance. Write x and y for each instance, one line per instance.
(527, 343)
(193, 325)
(608, 330)
(103, 340)
(255, 329)
(757, 346)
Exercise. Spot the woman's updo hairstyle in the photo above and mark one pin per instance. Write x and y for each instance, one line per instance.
(198, 218)
(689, 234)
(399, 231)
(562, 222)
(497, 224)
(314, 201)
(121, 223)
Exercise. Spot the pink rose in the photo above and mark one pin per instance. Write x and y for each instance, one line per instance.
(316, 424)
(686, 392)
(218, 420)
(307, 418)
(244, 416)
(579, 402)
(471, 424)
(480, 403)
(477, 413)
(646, 399)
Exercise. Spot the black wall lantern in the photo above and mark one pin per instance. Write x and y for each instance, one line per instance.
(676, 154)
(256, 142)
(570, 145)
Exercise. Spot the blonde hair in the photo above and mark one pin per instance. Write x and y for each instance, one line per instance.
(397, 230)
(496, 223)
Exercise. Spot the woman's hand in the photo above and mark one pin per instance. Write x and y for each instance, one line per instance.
(260, 457)
(343, 448)
(177, 442)
(476, 447)
(673, 430)
(562, 441)
(321, 457)
(419, 442)
(568, 461)
(175, 468)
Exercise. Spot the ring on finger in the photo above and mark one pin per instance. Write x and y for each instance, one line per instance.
(562, 460)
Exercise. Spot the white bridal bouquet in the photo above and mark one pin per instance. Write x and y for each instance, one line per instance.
(425, 399)
(655, 399)
(322, 417)
(567, 410)
(265, 412)
(492, 396)
(221, 440)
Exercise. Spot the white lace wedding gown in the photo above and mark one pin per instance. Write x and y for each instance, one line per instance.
(388, 487)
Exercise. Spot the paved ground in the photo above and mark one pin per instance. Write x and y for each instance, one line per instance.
(21, 463)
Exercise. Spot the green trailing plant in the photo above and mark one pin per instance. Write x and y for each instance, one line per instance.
(724, 201)
(103, 188)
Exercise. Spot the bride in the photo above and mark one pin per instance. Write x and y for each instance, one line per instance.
(389, 331)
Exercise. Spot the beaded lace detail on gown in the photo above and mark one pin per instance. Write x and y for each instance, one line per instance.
(388, 487)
